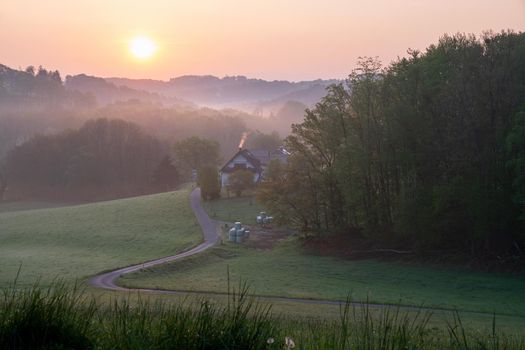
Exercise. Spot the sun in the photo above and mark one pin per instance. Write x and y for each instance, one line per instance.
(142, 47)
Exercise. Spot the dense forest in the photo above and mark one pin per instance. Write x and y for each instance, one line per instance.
(426, 154)
(102, 159)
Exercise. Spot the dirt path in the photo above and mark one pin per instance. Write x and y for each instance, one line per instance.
(210, 235)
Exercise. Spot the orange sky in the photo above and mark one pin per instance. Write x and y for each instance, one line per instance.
(270, 39)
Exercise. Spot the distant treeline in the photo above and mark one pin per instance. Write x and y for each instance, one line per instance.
(103, 159)
(57, 143)
(427, 154)
(108, 158)
(37, 101)
(167, 124)
(33, 88)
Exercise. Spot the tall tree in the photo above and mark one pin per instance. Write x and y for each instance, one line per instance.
(208, 180)
(240, 181)
(165, 176)
(195, 153)
(426, 151)
(3, 186)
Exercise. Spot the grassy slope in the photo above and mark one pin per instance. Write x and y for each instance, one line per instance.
(78, 241)
(17, 206)
(286, 271)
(244, 209)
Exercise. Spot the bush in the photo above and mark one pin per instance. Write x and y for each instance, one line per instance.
(239, 181)
(208, 180)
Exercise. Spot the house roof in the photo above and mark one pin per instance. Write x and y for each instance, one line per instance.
(258, 158)
(249, 157)
(265, 156)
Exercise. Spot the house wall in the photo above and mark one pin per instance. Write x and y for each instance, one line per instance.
(225, 176)
(238, 160)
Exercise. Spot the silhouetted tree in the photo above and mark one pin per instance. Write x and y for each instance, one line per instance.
(30, 70)
(195, 153)
(208, 180)
(165, 176)
(240, 181)
(112, 157)
(428, 151)
(3, 186)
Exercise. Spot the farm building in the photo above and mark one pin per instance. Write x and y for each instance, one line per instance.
(255, 161)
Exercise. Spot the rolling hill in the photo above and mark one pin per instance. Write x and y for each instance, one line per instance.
(247, 94)
(75, 242)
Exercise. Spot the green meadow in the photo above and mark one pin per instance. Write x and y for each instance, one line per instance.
(287, 271)
(30, 205)
(75, 242)
(243, 209)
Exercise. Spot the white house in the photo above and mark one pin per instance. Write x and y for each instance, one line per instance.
(255, 161)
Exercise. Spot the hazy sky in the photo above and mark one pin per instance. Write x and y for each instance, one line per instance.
(271, 39)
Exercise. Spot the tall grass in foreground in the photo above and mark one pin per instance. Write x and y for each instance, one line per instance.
(58, 317)
(62, 317)
(362, 327)
(243, 324)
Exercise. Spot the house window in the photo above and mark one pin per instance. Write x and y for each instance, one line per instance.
(239, 166)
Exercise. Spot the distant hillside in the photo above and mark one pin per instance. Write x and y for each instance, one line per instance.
(36, 89)
(252, 95)
(106, 92)
(38, 101)
(43, 89)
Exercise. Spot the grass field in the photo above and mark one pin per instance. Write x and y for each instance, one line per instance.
(77, 241)
(18, 206)
(244, 209)
(287, 271)
(62, 318)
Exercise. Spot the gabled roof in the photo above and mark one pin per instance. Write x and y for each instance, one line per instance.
(265, 156)
(258, 158)
(249, 157)
(262, 155)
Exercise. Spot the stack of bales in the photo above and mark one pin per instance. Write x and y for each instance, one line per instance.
(238, 233)
(263, 219)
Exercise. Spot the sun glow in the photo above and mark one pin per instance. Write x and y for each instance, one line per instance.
(142, 47)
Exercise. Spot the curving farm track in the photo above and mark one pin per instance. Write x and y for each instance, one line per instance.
(209, 229)
(210, 234)
(211, 237)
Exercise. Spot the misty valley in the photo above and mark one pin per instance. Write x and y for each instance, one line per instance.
(382, 209)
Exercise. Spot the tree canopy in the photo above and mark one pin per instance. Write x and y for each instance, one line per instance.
(104, 158)
(239, 181)
(166, 176)
(427, 152)
(195, 153)
(208, 180)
